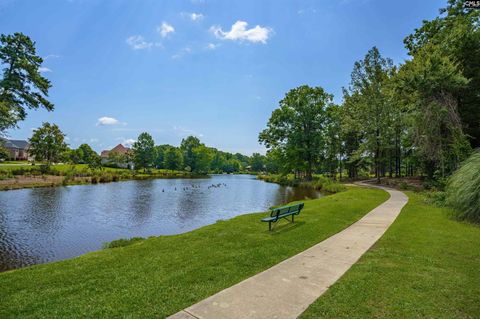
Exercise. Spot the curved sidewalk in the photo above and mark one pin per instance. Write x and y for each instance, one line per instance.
(288, 288)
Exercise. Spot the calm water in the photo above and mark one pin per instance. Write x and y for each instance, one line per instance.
(46, 224)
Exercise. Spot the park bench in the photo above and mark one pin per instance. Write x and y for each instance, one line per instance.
(283, 212)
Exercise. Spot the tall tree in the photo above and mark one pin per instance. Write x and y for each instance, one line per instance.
(456, 34)
(257, 162)
(144, 151)
(173, 158)
(295, 129)
(22, 86)
(333, 140)
(160, 155)
(203, 156)
(187, 145)
(48, 143)
(371, 113)
(428, 83)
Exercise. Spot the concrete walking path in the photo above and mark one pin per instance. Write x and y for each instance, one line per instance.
(288, 288)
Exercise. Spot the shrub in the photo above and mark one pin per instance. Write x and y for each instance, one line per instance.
(334, 188)
(463, 190)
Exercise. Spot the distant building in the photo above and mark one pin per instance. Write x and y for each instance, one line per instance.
(119, 149)
(19, 149)
(106, 155)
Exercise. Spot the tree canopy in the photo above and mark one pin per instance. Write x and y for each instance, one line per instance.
(295, 129)
(22, 86)
(48, 143)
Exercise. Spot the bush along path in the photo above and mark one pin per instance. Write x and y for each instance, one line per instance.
(288, 288)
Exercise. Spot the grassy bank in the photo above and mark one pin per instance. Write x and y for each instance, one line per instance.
(159, 276)
(319, 182)
(27, 176)
(425, 266)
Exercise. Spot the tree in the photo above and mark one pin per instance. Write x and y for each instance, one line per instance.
(47, 143)
(4, 153)
(160, 155)
(295, 129)
(369, 111)
(173, 158)
(428, 84)
(333, 140)
(187, 145)
(144, 151)
(456, 34)
(257, 162)
(22, 85)
(203, 156)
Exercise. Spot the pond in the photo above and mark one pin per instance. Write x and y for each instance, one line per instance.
(46, 224)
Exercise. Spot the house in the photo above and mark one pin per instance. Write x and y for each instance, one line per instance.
(119, 149)
(107, 157)
(19, 149)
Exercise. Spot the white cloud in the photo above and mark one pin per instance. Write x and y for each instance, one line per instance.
(165, 29)
(195, 17)
(127, 142)
(240, 32)
(105, 120)
(182, 52)
(137, 42)
(304, 11)
(94, 140)
(44, 69)
(51, 56)
(212, 46)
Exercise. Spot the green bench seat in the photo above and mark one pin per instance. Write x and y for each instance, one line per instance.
(283, 212)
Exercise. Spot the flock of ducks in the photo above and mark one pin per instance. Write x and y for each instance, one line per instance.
(192, 186)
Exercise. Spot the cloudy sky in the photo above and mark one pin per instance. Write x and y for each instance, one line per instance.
(214, 69)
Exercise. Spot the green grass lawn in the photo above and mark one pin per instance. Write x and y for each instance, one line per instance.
(162, 275)
(425, 266)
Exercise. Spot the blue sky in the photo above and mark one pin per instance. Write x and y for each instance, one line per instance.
(214, 69)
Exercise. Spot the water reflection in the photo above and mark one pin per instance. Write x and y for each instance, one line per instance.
(46, 224)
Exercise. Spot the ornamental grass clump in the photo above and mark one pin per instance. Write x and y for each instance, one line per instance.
(463, 190)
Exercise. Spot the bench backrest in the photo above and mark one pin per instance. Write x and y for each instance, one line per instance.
(286, 209)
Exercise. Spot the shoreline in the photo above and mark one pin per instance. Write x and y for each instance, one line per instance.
(43, 181)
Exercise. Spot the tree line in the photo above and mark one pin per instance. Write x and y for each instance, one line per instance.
(421, 117)
(48, 145)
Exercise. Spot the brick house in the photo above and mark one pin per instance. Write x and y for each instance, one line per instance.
(19, 149)
(119, 149)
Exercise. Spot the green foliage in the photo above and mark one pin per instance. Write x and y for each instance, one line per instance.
(173, 158)
(463, 190)
(428, 84)
(22, 86)
(144, 151)
(4, 153)
(318, 182)
(257, 162)
(48, 143)
(367, 102)
(187, 145)
(295, 129)
(456, 33)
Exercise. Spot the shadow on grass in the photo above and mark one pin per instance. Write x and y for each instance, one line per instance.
(285, 227)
